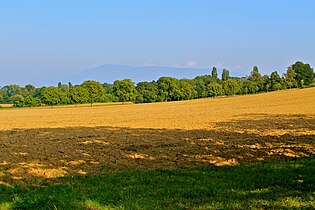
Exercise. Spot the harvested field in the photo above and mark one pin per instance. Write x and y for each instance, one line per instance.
(45, 143)
(6, 105)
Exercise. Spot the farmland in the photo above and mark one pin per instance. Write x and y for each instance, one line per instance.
(39, 145)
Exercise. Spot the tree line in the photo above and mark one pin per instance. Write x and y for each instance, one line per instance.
(298, 75)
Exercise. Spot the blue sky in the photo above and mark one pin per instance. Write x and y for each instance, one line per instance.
(45, 39)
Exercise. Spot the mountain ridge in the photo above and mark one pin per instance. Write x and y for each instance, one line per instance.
(110, 72)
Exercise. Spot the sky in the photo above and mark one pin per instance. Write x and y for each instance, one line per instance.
(40, 40)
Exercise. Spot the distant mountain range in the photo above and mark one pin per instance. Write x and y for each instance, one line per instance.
(110, 72)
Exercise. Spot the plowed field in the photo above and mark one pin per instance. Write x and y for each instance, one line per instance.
(45, 143)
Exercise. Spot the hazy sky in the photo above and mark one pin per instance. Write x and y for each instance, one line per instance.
(45, 38)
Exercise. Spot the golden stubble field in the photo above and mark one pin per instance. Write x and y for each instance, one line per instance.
(45, 143)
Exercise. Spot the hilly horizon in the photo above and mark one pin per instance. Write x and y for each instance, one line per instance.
(110, 72)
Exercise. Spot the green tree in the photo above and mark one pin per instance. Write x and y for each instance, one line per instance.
(64, 98)
(148, 90)
(187, 90)
(94, 89)
(2, 94)
(78, 95)
(18, 100)
(64, 87)
(249, 87)
(31, 89)
(11, 90)
(225, 74)
(109, 93)
(214, 73)
(107, 97)
(200, 88)
(207, 79)
(275, 81)
(256, 77)
(290, 78)
(125, 90)
(266, 83)
(169, 89)
(304, 74)
(283, 83)
(30, 101)
(214, 89)
(230, 87)
(38, 92)
(108, 88)
(139, 98)
(51, 96)
(24, 92)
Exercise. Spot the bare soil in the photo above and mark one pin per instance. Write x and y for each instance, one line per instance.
(39, 144)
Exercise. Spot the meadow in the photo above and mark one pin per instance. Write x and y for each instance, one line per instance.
(250, 151)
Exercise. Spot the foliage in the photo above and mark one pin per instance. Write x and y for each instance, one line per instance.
(290, 78)
(149, 91)
(304, 74)
(275, 81)
(207, 79)
(214, 73)
(225, 74)
(164, 89)
(2, 95)
(95, 90)
(200, 88)
(169, 89)
(249, 87)
(11, 90)
(64, 87)
(31, 89)
(78, 95)
(18, 100)
(230, 87)
(266, 82)
(30, 101)
(51, 96)
(107, 97)
(214, 89)
(187, 90)
(108, 88)
(125, 90)
(256, 78)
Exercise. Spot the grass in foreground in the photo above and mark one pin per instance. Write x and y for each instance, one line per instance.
(267, 184)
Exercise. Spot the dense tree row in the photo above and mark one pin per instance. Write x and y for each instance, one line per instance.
(164, 89)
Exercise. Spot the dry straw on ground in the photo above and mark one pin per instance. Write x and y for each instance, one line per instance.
(38, 143)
